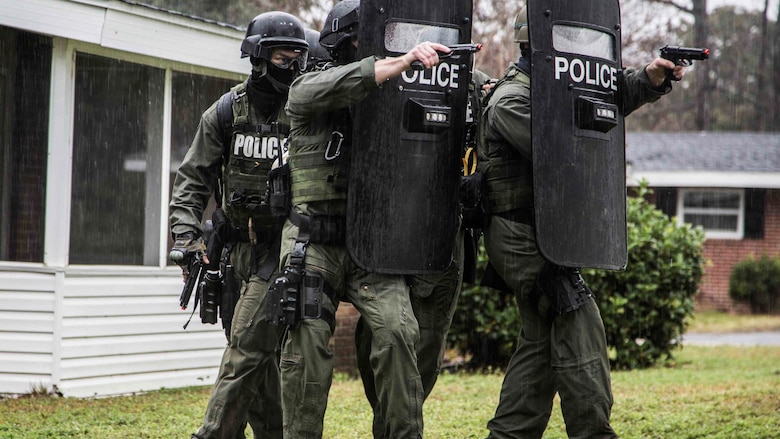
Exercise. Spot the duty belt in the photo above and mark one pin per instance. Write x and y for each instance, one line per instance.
(321, 229)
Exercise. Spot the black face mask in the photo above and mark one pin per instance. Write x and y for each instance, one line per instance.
(265, 92)
(284, 76)
(346, 53)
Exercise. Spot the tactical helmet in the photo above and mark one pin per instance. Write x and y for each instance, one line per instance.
(521, 26)
(317, 53)
(273, 30)
(341, 24)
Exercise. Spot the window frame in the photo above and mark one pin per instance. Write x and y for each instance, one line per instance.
(58, 200)
(736, 234)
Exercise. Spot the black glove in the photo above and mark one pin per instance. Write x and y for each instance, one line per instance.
(185, 248)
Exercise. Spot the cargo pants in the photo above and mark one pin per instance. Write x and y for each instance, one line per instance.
(434, 299)
(564, 353)
(307, 362)
(248, 385)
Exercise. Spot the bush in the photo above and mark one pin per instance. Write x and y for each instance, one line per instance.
(645, 308)
(756, 282)
(486, 323)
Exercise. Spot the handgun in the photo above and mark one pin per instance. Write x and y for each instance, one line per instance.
(455, 50)
(682, 56)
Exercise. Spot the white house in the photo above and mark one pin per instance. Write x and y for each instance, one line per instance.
(100, 99)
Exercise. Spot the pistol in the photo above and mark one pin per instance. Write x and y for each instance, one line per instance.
(456, 50)
(683, 56)
(193, 280)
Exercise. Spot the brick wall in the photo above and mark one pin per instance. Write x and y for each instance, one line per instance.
(723, 254)
(342, 343)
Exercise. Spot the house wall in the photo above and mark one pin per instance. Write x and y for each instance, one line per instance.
(723, 254)
(101, 329)
(97, 331)
(121, 333)
(27, 321)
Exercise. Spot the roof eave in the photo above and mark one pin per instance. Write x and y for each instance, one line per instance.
(764, 180)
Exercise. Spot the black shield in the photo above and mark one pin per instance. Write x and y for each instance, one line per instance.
(578, 134)
(408, 136)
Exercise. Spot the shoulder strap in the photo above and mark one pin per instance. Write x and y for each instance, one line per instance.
(225, 122)
(225, 118)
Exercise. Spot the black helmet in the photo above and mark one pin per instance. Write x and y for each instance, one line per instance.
(271, 30)
(341, 24)
(317, 53)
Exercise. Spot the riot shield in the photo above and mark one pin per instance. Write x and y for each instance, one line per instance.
(578, 133)
(402, 214)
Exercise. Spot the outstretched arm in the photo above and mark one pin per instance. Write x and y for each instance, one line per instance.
(425, 52)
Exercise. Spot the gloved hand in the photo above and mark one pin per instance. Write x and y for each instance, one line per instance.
(185, 249)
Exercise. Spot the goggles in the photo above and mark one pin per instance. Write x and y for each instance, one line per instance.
(284, 62)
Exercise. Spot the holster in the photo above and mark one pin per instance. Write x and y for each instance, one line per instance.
(278, 195)
(296, 295)
(564, 287)
(231, 292)
(474, 202)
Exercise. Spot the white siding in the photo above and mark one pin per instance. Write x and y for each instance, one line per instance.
(124, 333)
(171, 42)
(130, 28)
(26, 330)
(96, 330)
(71, 20)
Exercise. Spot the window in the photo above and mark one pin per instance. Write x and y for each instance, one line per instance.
(117, 135)
(401, 37)
(719, 212)
(192, 95)
(583, 41)
(25, 69)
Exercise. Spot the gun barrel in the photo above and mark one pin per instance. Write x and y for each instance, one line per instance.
(686, 53)
(454, 50)
(472, 48)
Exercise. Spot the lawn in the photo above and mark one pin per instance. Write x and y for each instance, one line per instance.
(706, 392)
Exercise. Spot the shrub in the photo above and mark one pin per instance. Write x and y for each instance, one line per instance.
(645, 308)
(756, 282)
(486, 324)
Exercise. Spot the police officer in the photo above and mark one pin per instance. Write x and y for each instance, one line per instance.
(434, 298)
(564, 353)
(314, 239)
(318, 55)
(237, 140)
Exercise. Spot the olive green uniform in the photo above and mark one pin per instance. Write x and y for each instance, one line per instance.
(248, 386)
(564, 353)
(434, 299)
(316, 106)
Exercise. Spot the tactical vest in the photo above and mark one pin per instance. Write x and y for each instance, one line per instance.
(508, 174)
(322, 158)
(249, 156)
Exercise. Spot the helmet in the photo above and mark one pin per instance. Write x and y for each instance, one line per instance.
(272, 30)
(521, 26)
(317, 53)
(341, 24)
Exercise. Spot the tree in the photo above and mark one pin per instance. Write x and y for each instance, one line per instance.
(698, 11)
(776, 71)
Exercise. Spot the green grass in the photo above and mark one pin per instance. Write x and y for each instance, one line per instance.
(710, 392)
(722, 322)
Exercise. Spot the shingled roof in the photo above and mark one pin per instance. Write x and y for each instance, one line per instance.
(704, 159)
